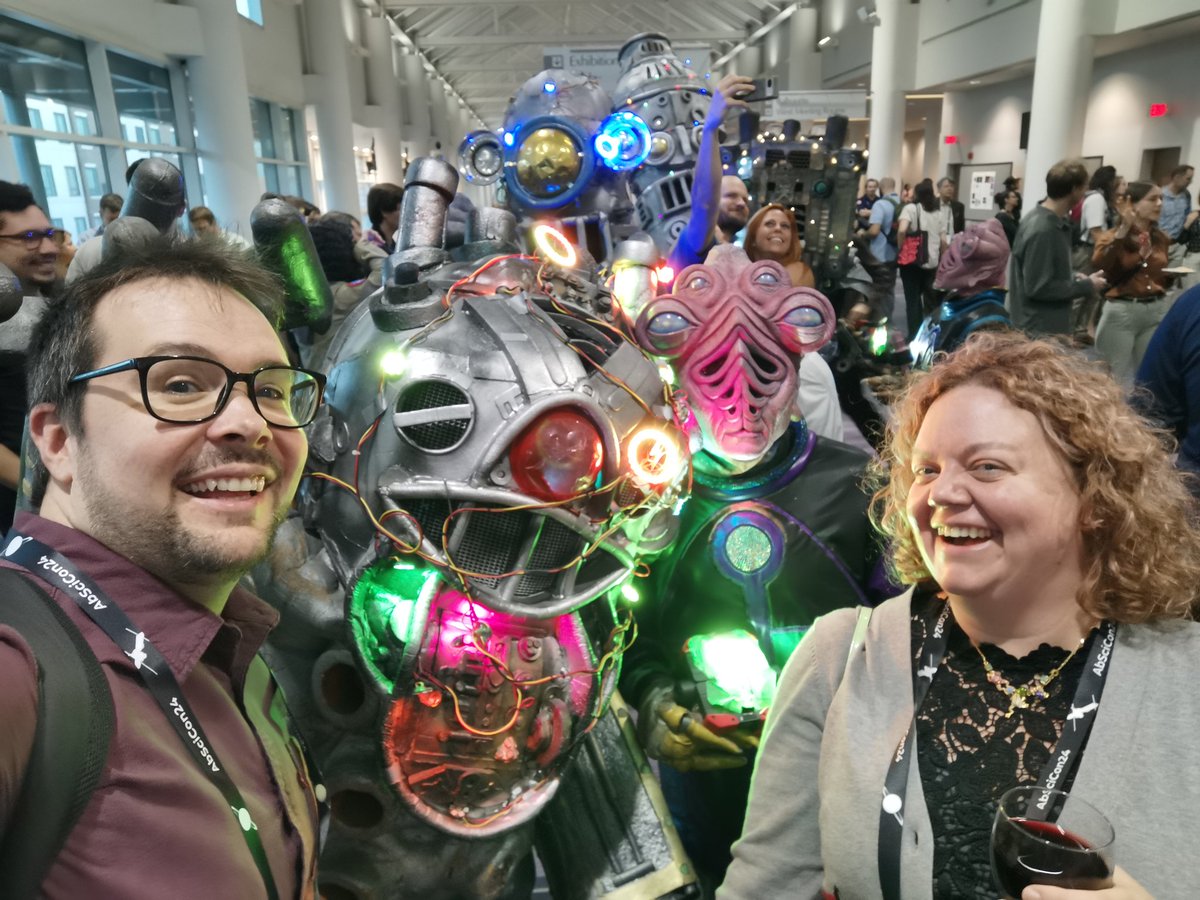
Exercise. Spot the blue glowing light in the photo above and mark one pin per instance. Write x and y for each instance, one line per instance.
(508, 139)
(549, 87)
(623, 141)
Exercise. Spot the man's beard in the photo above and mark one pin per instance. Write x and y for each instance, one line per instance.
(162, 544)
(729, 224)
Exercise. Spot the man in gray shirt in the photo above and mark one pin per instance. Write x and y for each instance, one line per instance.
(1041, 284)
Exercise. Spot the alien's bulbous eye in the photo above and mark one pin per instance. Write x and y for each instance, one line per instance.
(805, 317)
(668, 331)
(698, 283)
(766, 278)
(667, 323)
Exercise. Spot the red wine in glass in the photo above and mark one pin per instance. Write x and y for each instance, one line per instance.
(1027, 852)
(1051, 838)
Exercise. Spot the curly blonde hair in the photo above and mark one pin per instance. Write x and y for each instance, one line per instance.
(1138, 520)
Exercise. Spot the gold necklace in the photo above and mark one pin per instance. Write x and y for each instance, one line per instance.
(1021, 696)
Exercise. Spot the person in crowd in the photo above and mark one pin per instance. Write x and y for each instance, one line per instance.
(948, 196)
(772, 234)
(308, 210)
(881, 232)
(1012, 183)
(862, 208)
(110, 208)
(347, 220)
(1177, 208)
(1055, 566)
(28, 247)
(204, 225)
(383, 210)
(350, 278)
(1007, 202)
(1132, 258)
(154, 503)
(1189, 240)
(906, 193)
(1041, 284)
(1096, 213)
(1170, 374)
(720, 203)
(924, 214)
(66, 253)
(1099, 211)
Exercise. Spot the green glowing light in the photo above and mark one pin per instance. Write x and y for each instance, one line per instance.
(388, 609)
(739, 676)
(393, 363)
(879, 339)
(668, 374)
(630, 594)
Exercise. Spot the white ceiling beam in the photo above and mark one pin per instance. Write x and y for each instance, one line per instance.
(591, 40)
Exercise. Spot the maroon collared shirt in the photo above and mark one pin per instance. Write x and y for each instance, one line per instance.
(157, 827)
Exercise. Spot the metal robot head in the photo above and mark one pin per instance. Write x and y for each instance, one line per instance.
(734, 332)
(563, 152)
(522, 449)
(659, 87)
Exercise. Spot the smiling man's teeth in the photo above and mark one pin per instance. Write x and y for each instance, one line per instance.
(232, 485)
(944, 531)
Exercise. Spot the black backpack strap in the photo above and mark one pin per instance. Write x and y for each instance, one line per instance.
(70, 745)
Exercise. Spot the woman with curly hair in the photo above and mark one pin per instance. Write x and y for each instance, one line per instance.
(1047, 640)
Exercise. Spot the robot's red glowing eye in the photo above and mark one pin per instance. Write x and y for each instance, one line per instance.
(557, 456)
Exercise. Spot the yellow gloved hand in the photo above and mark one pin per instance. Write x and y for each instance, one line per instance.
(674, 735)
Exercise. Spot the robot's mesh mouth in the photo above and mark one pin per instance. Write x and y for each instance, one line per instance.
(493, 544)
(442, 434)
(797, 159)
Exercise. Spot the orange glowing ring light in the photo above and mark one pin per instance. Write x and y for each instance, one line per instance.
(554, 246)
(654, 458)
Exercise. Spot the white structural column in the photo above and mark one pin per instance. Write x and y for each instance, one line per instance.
(1061, 75)
(386, 93)
(801, 69)
(749, 62)
(224, 135)
(417, 105)
(935, 167)
(893, 62)
(330, 95)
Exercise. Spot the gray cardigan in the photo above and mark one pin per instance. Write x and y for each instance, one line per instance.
(813, 819)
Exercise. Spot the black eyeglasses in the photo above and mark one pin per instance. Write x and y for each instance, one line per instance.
(186, 390)
(31, 239)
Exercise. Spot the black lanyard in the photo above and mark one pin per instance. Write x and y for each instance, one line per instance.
(58, 572)
(1061, 762)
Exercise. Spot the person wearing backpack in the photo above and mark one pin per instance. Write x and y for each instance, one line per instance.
(881, 234)
(168, 426)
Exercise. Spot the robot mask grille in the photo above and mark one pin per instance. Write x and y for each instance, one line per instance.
(433, 415)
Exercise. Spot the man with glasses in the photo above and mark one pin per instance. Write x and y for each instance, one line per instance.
(27, 248)
(168, 422)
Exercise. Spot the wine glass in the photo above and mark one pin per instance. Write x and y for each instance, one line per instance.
(1049, 837)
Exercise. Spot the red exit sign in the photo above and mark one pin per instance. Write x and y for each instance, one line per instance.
(952, 139)
(1158, 110)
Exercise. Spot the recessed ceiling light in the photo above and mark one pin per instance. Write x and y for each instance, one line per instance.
(973, 81)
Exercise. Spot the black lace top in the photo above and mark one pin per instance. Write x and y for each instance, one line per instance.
(969, 754)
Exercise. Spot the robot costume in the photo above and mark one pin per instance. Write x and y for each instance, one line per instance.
(564, 155)
(492, 466)
(775, 533)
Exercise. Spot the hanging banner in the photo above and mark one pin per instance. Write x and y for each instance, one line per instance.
(601, 62)
(817, 105)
